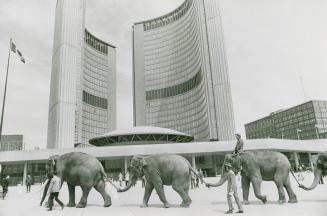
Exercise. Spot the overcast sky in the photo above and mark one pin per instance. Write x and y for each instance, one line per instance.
(270, 44)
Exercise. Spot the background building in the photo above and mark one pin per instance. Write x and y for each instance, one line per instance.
(83, 80)
(12, 142)
(304, 121)
(180, 72)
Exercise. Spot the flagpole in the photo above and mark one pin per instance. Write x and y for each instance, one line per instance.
(4, 94)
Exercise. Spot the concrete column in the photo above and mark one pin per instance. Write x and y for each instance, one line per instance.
(310, 161)
(214, 164)
(125, 165)
(296, 161)
(193, 162)
(25, 173)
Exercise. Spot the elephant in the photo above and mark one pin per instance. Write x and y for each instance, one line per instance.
(262, 165)
(320, 170)
(160, 170)
(79, 169)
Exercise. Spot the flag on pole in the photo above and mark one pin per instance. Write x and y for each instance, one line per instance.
(20, 56)
(13, 47)
(15, 50)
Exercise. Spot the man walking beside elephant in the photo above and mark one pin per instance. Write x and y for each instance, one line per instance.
(229, 175)
(53, 190)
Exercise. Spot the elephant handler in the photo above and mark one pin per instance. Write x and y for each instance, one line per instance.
(46, 187)
(229, 175)
(239, 145)
(54, 188)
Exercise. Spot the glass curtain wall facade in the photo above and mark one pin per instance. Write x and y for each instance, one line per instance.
(304, 121)
(83, 81)
(180, 72)
(12, 142)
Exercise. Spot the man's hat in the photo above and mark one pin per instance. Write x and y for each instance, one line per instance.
(238, 135)
(228, 165)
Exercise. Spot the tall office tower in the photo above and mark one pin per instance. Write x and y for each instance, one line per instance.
(180, 72)
(83, 80)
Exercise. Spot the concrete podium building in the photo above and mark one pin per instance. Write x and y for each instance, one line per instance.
(83, 80)
(180, 72)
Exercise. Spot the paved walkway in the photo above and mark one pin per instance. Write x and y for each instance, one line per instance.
(206, 202)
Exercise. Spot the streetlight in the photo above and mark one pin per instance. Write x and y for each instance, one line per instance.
(317, 132)
(282, 133)
(298, 133)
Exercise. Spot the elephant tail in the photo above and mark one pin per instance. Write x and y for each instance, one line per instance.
(105, 176)
(197, 174)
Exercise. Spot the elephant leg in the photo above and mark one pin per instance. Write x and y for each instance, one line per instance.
(290, 192)
(147, 193)
(71, 189)
(83, 201)
(256, 183)
(183, 192)
(160, 190)
(245, 190)
(101, 188)
(280, 188)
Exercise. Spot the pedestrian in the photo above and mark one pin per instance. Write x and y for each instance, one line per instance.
(143, 181)
(5, 185)
(126, 178)
(28, 183)
(46, 187)
(193, 177)
(239, 145)
(120, 178)
(229, 175)
(53, 191)
(197, 182)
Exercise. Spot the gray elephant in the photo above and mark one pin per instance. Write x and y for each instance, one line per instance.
(320, 170)
(262, 165)
(80, 169)
(160, 170)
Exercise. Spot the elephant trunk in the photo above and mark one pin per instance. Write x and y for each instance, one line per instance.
(129, 185)
(318, 174)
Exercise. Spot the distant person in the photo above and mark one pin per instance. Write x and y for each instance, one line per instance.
(126, 178)
(229, 175)
(28, 183)
(5, 185)
(46, 187)
(239, 145)
(193, 178)
(53, 191)
(120, 179)
(143, 181)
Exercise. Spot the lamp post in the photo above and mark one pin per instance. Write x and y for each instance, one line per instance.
(298, 133)
(282, 133)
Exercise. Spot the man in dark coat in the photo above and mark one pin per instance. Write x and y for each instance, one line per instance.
(5, 184)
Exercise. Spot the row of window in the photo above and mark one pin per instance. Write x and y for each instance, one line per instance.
(175, 90)
(95, 100)
(95, 42)
(177, 14)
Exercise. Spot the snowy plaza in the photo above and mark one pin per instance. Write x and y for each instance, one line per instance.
(205, 202)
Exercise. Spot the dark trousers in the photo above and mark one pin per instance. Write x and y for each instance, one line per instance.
(45, 191)
(54, 196)
(28, 188)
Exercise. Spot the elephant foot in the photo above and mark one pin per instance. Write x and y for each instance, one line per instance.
(264, 199)
(81, 205)
(246, 202)
(292, 201)
(144, 205)
(71, 205)
(281, 201)
(186, 203)
(166, 205)
(107, 204)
